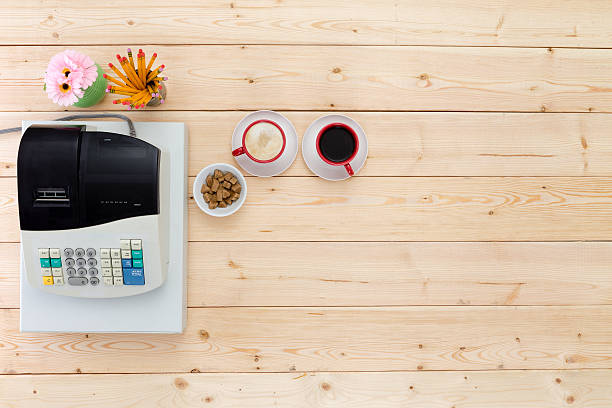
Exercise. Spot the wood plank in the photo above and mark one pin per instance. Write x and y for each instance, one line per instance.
(437, 22)
(408, 143)
(415, 209)
(371, 273)
(397, 274)
(329, 339)
(466, 389)
(345, 78)
(397, 209)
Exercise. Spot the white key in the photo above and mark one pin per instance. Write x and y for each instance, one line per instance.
(105, 263)
(108, 280)
(107, 272)
(136, 244)
(55, 253)
(57, 272)
(105, 253)
(126, 254)
(117, 272)
(115, 253)
(118, 281)
(116, 263)
(43, 252)
(58, 280)
(46, 271)
(124, 244)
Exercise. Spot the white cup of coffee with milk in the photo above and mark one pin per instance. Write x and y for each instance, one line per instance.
(263, 141)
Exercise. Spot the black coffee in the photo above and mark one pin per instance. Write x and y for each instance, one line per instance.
(337, 144)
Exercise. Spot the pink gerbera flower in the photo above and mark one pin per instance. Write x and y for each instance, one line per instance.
(68, 74)
(63, 91)
(84, 65)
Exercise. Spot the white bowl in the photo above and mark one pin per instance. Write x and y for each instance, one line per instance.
(201, 179)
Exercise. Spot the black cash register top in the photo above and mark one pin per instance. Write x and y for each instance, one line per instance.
(69, 178)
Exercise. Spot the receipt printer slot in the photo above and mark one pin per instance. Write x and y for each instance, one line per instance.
(54, 196)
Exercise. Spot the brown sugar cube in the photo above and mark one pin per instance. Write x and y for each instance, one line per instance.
(209, 181)
(206, 197)
(234, 196)
(228, 176)
(228, 201)
(213, 204)
(225, 194)
(226, 184)
(236, 188)
(222, 204)
(215, 185)
(205, 189)
(220, 194)
(233, 180)
(218, 174)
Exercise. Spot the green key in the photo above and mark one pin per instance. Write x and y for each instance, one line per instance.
(137, 254)
(45, 263)
(56, 263)
(136, 263)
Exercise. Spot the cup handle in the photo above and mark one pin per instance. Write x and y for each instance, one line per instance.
(349, 169)
(238, 151)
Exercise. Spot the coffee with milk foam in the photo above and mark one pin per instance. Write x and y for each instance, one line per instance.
(263, 141)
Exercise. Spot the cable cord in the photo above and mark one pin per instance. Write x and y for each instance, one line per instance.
(86, 116)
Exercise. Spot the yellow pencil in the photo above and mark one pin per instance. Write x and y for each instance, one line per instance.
(123, 89)
(131, 74)
(140, 99)
(154, 73)
(139, 95)
(110, 78)
(141, 67)
(129, 51)
(151, 62)
(120, 75)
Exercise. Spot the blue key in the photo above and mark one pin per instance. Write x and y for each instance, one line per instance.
(45, 263)
(126, 263)
(137, 263)
(56, 263)
(134, 276)
(137, 254)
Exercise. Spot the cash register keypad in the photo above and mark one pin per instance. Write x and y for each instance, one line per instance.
(118, 266)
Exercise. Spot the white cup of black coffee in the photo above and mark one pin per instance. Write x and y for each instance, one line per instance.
(337, 144)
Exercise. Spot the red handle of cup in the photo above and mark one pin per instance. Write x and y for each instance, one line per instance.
(349, 169)
(238, 151)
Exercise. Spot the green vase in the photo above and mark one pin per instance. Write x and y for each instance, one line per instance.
(94, 93)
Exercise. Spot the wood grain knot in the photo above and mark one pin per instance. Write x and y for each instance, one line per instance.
(204, 334)
(570, 399)
(208, 399)
(180, 383)
(558, 380)
(325, 386)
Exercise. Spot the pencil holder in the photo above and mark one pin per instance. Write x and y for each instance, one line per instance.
(94, 93)
(159, 99)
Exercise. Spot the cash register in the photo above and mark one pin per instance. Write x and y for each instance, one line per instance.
(103, 226)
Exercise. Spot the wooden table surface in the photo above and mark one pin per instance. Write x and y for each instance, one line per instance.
(468, 264)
